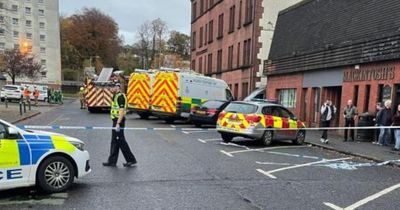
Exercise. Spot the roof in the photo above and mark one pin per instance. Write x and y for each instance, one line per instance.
(327, 33)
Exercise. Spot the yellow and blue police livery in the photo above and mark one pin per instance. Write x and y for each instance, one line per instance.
(50, 161)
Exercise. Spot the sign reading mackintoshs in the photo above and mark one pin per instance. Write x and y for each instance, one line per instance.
(379, 73)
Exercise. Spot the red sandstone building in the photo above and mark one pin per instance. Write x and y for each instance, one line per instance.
(336, 50)
(231, 39)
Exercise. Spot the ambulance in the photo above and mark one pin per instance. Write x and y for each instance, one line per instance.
(176, 92)
(50, 161)
(139, 92)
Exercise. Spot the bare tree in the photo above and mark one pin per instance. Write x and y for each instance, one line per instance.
(144, 43)
(158, 30)
(17, 65)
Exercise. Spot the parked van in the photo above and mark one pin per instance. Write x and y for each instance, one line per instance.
(176, 92)
(139, 92)
(259, 94)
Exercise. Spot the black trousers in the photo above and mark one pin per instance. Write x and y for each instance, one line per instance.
(325, 124)
(118, 142)
(349, 123)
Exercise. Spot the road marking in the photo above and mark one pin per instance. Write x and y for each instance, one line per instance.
(272, 163)
(284, 154)
(365, 200)
(233, 145)
(311, 157)
(55, 120)
(202, 131)
(185, 132)
(265, 148)
(226, 153)
(202, 141)
(269, 173)
(173, 126)
(209, 140)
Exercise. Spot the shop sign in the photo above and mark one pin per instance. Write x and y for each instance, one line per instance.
(370, 74)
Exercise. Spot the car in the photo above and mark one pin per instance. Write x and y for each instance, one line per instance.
(11, 92)
(207, 113)
(261, 121)
(50, 161)
(258, 94)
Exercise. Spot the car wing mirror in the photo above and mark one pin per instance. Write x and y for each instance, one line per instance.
(12, 133)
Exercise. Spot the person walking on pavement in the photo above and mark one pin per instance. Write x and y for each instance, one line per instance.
(378, 121)
(27, 94)
(385, 119)
(36, 95)
(328, 112)
(350, 115)
(396, 123)
(82, 97)
(118, 141)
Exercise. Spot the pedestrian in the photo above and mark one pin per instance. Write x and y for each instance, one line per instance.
(350, 115)
(27, 94)
(385, 120)
(328, 112)
(36, 95)
(82, 97)
(118, 141)
(396, 123)
(378, 121)
(49, 95)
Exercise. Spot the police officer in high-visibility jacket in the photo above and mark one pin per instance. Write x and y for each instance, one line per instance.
(82, 97)
(118, 111)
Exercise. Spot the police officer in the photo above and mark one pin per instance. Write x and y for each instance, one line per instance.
(82, 97)
(118, 110)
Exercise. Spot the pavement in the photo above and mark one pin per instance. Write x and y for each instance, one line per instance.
(195, 170)
(365, 150)
(12, 113)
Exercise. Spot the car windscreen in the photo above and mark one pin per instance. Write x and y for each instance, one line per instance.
(10, 88)
(257, 94)
(213, 104)
(242, 108)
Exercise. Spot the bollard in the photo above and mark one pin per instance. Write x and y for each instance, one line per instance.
(6, 102)
(29, 105)
(24, 107)
(20, 107)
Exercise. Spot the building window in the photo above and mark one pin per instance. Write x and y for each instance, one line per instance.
(15, 34)
(2, 45)
(194, 41)
(41, 12)
(236, 91)
(238, 56)
(1, 5)
(14, 8)
(16, 46)
(28, 10)
(211, 31)
(220, 26)
(219, 61)
(44, 74)
(200, 65)
(205, 35)
(41, 1)
(194, 11)
(240, 15)
(201, 7)
(210, 63)
(249, 12)
(43, 62)
(287, 97)
(367, 97)
(355, 95)
(1, 19)
(15, 21)
(245, 88)
(2, 31)
(247, 52)
(42, 38)
(29, 35)
(42, 50)
(201, 37)
(193, 64)
(232, 14)
(230, 57)
(42, 25)
(28, 23)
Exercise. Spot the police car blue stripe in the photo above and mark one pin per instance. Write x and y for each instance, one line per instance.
(40, 145)
(24, 156)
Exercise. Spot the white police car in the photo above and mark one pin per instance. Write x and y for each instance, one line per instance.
(50, 161)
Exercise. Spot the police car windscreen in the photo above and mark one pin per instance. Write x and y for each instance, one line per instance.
(241, 108)
(105, 75)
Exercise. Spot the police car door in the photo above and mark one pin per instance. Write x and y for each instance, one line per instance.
(14, 159)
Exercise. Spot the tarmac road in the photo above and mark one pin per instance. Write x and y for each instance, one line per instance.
(195, 170)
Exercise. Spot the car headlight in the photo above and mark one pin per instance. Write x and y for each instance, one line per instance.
(78, 145)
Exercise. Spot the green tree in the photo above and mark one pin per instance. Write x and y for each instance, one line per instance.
(128, 60)
(179, 43)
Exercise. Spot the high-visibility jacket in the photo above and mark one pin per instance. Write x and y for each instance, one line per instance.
(36, 93)
(27, 92)
(82, 94)
(115, 105)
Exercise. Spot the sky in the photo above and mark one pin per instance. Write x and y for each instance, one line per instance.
(130, 14)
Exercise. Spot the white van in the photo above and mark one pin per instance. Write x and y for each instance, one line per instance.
(175, 93)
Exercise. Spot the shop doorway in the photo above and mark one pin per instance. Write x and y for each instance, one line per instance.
(396, 100)
(335, 95)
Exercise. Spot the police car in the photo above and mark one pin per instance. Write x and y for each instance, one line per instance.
(50, 161)
(260, 120)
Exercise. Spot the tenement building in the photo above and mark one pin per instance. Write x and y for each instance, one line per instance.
(339, 50)
(232, 38)
(33, 27)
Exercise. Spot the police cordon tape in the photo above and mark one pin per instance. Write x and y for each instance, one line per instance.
(61, 127)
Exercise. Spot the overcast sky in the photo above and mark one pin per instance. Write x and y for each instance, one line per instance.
(130, 14)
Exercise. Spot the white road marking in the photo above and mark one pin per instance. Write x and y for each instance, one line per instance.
(284, 154)
(226, 153)
(269, 173)
(173, 126)
(209, 140)
(365, 200)
(202, 141)
(185, 132)
(272, 163)
(311, 157)
(192, 132)
(265, 148)
(55, 120)
(234, 145)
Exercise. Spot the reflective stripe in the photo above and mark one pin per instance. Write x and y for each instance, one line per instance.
(115, 106)
(40, 145)
(24, 154)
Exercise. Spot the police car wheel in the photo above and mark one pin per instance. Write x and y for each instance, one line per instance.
(301, 136)
(226, 137)
(267, 138)
(55, 174)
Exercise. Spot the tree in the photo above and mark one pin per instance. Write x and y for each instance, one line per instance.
(128, 60)
(93, 34)
(144, 44)
(70, 56)
(17, 64)
(158, 31)
(179, 43)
